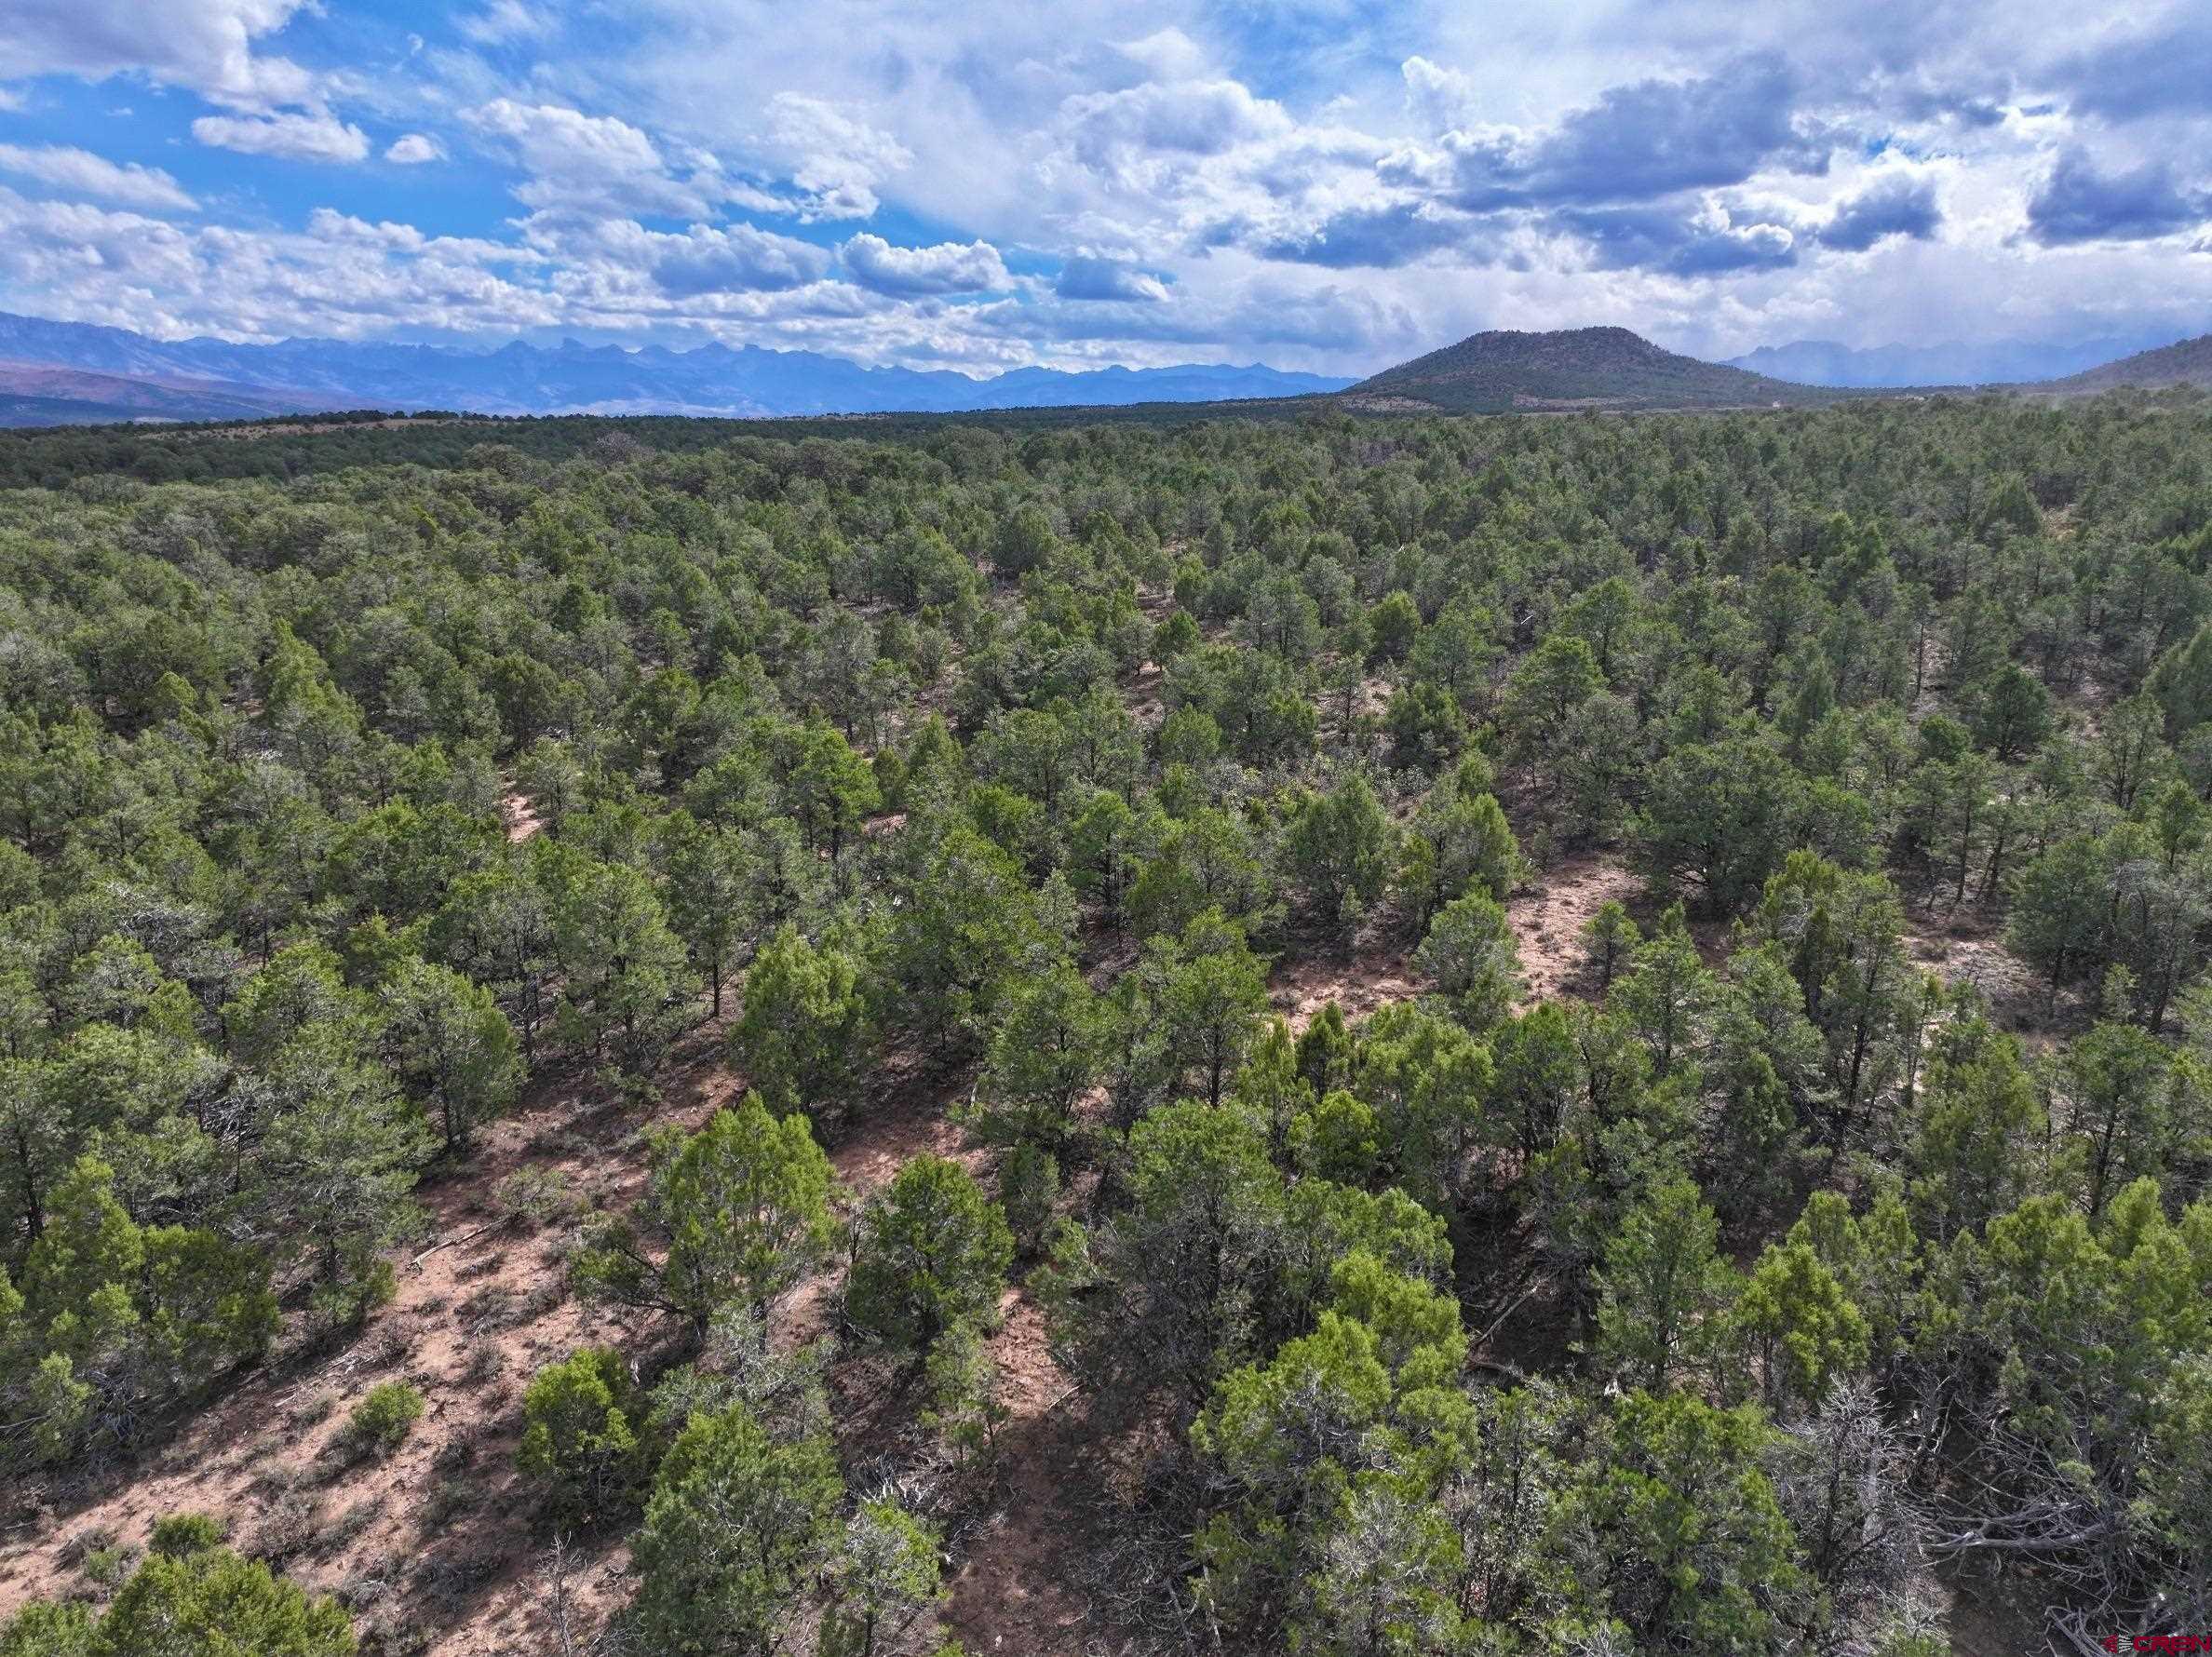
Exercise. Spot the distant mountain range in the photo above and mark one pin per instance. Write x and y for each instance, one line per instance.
(43, 393)
(66, 372)
(2010, 362)
(1583, 367)
(214, 380)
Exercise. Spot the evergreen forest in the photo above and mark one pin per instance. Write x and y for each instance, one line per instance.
(1185, 1035)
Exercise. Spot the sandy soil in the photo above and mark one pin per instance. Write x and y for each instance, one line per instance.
(432, 1548)
(1374, 976)
(1547, 918)
(522, 817)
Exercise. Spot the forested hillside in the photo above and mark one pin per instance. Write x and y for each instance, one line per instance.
(1576, 368)
(1415, 1036)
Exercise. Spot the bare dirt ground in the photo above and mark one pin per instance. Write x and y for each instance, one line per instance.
(1375, 973)
(434, 1549)
(1548, 915)
(1966, 946)
(522, 820)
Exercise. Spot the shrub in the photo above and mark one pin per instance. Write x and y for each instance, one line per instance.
(182, 1533)
(535, 1196)
(580, 1436)
(107, 1566)
(382, 1420)
(1029, 1185)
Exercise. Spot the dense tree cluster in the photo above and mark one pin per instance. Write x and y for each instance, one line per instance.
(1736, 1303)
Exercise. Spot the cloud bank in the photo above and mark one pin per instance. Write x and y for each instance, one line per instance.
(991, 185)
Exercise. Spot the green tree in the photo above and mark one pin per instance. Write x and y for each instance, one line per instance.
(709, 872)
(112, 1316)
(965, 925)
(1717, 821)
(1318, 1540)
(1164, 1296)
(1338, 848)
(1456, 842)
(1213, 994)
(1470, 955)
(1687, 1546)
(803, 1037)
(627, 979)
(827, 787)
(886, 1573)
(1666, 991)
(2183, 681)
(1614, 937)
(2117, 1097)
(1025, 541)
(211, 1603)
(1393, 625)
(1661, 1287)
(737, 1529)
(736, 1214)
(1551, 682)
(931, 1255)
(1049, 1049)
(452, 1048)
(1803, 1330)
(338, 1163)
(2060, 908)
(2010, 712)
(1972, 1152)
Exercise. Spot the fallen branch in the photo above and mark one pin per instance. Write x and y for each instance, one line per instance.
(1494, 1368)
(1498, 1323)
(489, 1225)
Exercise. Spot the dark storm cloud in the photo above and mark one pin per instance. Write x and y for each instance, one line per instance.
(1677, 244)
(1648, 140)
(2077, 203)
(2153, 74)
(1898, 207)
(1380, 237)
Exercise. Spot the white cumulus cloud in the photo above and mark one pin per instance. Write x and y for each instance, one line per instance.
(205, 45)
(87, 174)
(836, 160)
(290, 136)
(949, 267)
(413, 149)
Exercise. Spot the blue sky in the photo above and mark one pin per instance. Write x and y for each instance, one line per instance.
(1332, 185)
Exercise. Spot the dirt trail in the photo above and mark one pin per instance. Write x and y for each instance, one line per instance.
(1012, 1592)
